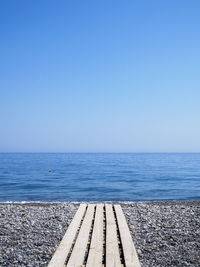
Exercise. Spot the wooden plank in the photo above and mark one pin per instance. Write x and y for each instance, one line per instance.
(112, 249)
(78, 252)
(130, 254)
(63, 249)
(96, 247)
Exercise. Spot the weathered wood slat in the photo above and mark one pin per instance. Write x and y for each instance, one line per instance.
(95, 253)
(129, 251)
(63, 249)
(112, 248)
(78, 252)
(96, 247)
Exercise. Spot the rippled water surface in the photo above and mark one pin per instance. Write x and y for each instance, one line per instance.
(99, 177)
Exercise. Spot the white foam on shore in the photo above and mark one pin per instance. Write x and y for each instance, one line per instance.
(110, 202)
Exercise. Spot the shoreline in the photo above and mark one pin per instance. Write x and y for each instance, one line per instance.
(165, 233)
(106, 201)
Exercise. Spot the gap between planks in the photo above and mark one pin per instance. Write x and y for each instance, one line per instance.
(93, 235)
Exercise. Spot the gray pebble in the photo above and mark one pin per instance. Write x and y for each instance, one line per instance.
(30, 233)
(165, 233)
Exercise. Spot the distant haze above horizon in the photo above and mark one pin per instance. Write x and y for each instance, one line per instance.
(100, 76)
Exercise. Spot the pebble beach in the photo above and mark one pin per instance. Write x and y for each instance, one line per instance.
(164, 233)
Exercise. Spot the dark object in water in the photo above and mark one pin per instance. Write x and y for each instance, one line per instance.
(49, 170)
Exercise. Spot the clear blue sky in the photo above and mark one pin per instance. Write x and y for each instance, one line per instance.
(99, 76)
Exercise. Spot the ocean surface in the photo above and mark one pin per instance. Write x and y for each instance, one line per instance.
(99, 176)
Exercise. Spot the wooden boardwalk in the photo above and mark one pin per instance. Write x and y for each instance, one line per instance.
(97, 236)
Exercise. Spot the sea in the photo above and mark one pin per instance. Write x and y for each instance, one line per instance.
(61, 177)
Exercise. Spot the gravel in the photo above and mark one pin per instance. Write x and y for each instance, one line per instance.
(30, 233)
(164, 233)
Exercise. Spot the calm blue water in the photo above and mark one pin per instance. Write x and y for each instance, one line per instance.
(99, 177)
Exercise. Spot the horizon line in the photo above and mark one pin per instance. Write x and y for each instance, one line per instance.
(98, 152)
